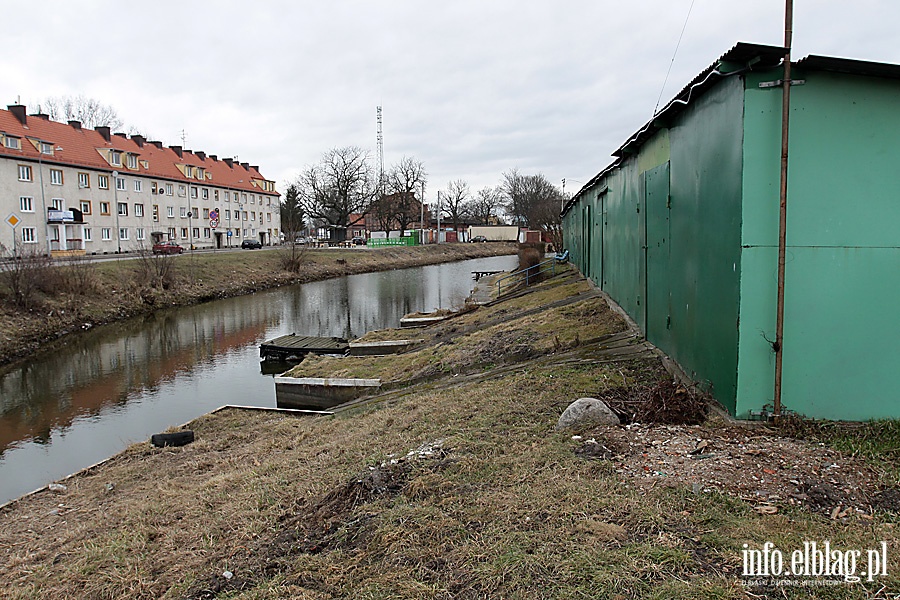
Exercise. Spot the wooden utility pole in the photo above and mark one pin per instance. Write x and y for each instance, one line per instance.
(782, 217)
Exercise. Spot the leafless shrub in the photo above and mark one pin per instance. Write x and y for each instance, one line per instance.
(26, 273)
(77, 275)
(154, 272)
(291, 257)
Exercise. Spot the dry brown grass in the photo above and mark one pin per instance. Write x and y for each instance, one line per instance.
(492, 503)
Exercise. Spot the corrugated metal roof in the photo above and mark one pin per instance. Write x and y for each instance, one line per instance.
(850, 66)
(741, 57)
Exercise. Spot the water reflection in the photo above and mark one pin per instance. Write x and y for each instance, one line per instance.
(118, 384)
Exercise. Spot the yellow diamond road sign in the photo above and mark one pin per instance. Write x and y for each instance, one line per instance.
(12, 220)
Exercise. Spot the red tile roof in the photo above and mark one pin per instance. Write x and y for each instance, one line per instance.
(80, 149)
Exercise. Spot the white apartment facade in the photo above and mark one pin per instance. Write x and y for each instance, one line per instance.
(65, 190)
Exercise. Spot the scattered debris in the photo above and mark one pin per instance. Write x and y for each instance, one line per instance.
(57, 488)
(663, 402)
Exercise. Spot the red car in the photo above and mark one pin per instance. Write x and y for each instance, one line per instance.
(167, 248)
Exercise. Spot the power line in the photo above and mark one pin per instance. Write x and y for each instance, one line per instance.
(658, 100)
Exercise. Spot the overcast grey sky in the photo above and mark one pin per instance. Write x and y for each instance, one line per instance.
(471, 88)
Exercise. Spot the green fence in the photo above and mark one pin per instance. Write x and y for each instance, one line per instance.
(409, 240)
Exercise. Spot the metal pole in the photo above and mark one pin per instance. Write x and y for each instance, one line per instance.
(422, 216)
(115, 175)
(782, 216)
(439, 218)
(43, 200)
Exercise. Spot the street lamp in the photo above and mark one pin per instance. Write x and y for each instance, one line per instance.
(43, 200)
(115, 176)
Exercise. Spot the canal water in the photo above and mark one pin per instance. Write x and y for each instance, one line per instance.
(121, 383)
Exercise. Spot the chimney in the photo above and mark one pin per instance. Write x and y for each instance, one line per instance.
(41, 115)
(18, 112)
(122, 135)
(255, 168)
(214, 157)
(246, 166)
(157, 144)
(201, 154)
(75, 124)
(139, 140)
(104, 131)
(177, 150)
(229, 162)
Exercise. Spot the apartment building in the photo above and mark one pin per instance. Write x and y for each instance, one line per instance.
(66, 189)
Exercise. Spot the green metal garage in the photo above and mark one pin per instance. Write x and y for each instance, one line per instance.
(682, 231)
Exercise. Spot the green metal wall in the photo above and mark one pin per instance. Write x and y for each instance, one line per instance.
(667, 247)
(842, 277)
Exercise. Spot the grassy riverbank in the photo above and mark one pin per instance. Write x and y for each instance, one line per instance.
(459, 486)
(67, 298)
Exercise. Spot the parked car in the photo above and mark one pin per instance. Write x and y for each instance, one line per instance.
(167, 248)
(479, 238)
(251, 244)
(359, 241)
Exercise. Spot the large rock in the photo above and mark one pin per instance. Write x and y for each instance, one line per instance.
(587, 411)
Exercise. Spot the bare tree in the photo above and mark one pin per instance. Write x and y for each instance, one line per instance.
(484, 206)
(384, 211)
(532, 201)
(404, 179)
(454, 203)
(339, 189)
(92, 113)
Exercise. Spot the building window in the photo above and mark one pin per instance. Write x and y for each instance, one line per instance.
(132, 162)
(227, 196)
(25, 173)
(205, 194)
(205, 213)
(171, 233)
(139, 210)
(86, 207)
(123, 234)
(227, 215)
(120, 184)
(123, 209)
(105, 234)
(103, 182)
(252, 199)
(252, 215)
(26, 204)
(184, 233)
(139, 234)
(104, 208)
(138, 185)
(206, 233)
(196, 231)
(188, 171)
(28, 236)
(115, 158)
(237, 215)
(216, 195)
(244, 198)
(170, 189)
(84, 180)
(194, 212)
(57, 203)
(245, 215)
(269, 217)
(88, 236)
(170, 212)
(156, 212)
(183, 212)
(46, 148)
(13, 142)
(193, 192)
(200, 173)
(182, 191)
(56, 177)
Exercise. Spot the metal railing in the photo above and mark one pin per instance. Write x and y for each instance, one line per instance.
(529, 274)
